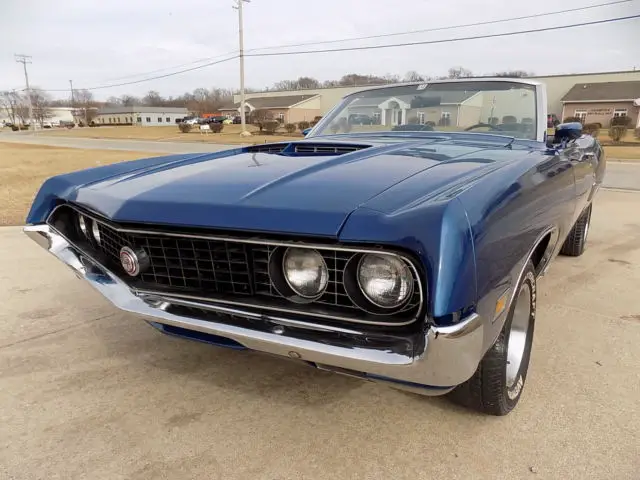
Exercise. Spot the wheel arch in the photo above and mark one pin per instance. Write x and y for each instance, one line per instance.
(540, 253)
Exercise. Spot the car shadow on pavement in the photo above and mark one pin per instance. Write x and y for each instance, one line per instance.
(277, 380)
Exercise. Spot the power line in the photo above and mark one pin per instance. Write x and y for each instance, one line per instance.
(436, 29)
(208, 59)
(383, 35)
(100, 87)
(444, 40)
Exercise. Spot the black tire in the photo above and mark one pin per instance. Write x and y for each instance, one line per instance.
(495, 388)
(576, 241)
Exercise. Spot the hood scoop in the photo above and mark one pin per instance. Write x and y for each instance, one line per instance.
(306, 148)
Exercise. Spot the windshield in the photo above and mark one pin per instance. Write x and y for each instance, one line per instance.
(500, 107)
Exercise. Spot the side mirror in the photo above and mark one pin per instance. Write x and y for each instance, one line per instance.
(567, 131)
(305, 131)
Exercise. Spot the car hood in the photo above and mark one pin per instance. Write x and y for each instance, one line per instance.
(270, 191)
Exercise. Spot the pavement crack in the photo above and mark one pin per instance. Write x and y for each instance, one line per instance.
(54, 332)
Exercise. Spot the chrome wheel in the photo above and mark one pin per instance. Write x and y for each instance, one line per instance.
(518, 332)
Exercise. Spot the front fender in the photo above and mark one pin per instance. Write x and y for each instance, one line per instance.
(439, 235)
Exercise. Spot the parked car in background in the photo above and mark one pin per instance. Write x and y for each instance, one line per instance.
(213, 119)
(405, 257)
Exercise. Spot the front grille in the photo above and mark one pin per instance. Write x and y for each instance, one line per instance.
(184, 263)
(228, 270)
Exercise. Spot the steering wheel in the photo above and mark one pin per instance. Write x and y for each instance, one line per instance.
(492, 127)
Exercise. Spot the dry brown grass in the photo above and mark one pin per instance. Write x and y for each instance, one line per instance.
(623, 152)
(23, 169)
(229, 135)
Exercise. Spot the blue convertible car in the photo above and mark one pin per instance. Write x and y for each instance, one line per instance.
(403, 250)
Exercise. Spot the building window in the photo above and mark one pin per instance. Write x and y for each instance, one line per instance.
(281, 117)
(110, 119)
(102, 120)
(619, 112)
(168, 119)
(445, 119)
(581, 115)
(139, 119)
(118, 119)
(148, 119)
(159, 119)
(421, 118)
(376, 118)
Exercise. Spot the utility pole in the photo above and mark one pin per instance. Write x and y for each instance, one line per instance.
(73, 108)
(24, 59)
(244, 131)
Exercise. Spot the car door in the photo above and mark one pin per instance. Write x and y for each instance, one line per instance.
(582, 155)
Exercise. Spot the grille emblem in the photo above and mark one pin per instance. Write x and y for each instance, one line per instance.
(133, 262)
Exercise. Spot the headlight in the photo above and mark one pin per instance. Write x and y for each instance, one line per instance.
(385, 280)
(82, 223)
(305, 271)
(95, 231)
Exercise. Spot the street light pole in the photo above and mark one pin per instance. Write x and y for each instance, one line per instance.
(244, 131)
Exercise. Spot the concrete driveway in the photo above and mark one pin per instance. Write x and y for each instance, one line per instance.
(88, 392)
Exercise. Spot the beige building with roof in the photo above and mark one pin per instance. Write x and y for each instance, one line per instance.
(286, 108)
(557, 87)
(601, 102)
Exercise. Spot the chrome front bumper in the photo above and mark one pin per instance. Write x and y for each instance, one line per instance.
(448, 355)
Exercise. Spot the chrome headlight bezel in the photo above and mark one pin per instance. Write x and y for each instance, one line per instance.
(324, 271)
(82, 224)
(298, 294)
(95, 232)
(403, 268)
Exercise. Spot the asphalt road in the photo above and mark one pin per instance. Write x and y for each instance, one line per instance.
(89, 392)
(620, 175)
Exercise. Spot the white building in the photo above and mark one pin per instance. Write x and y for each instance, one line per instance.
(140, 115)
(55, 115)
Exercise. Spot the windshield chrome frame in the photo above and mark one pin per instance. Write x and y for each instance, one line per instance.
(540, 101)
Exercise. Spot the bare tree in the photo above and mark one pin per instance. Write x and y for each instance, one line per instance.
(40, 105)
(286, 85)
(84, 104)
(128, 100)
(9, 102)
(153, 99)
(308, 82)
(356, 79)
(459, 72)
(391, 78)
(413, 76)
(258, 117)
(113, 101)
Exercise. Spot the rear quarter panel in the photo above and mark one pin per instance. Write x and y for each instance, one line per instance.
(509, 212)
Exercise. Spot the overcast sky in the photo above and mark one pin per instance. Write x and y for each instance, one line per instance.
(99, 42)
